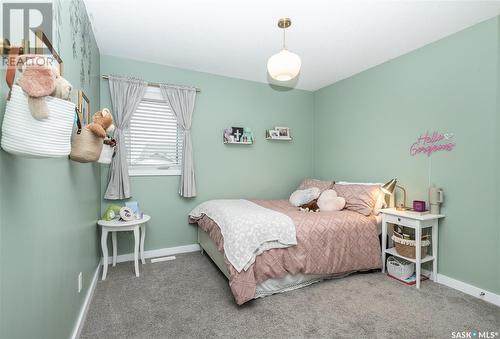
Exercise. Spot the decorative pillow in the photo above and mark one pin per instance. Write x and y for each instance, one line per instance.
(379, 204)
(359, 198)
(329, 201)
(301, 197)
(321, 184)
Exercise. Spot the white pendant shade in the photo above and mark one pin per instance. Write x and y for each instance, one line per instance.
(284, 66)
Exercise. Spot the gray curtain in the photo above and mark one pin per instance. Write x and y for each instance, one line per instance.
(181, 101)
(126, 93)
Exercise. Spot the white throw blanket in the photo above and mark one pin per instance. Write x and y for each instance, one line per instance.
(248, 229)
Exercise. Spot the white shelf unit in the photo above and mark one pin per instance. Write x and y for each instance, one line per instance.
(238, 143)
(391, 216)
(392, 251)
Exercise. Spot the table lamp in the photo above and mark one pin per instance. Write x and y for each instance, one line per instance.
(389, 187)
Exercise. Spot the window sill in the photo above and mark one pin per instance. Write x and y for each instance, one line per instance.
(152, 172)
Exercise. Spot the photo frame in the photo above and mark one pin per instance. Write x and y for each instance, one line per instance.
(274, 134)
(83, 108)
(283, 132)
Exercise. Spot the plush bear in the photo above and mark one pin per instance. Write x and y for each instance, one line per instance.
(62, 89)
(311, 206)
(329, 201)
(102, 121)
(39, 80)
(301, 197)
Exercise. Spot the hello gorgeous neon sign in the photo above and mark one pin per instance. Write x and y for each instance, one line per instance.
(430, 143)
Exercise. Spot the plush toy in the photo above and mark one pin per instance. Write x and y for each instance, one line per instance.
(38, 80)
(301, 197)
(62, 89)
(102, 122)
(329, 201)
(247, 135)
(227, 134)
(311, 206)
(113, 211)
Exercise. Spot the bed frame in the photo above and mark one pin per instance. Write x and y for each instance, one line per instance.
(208, 246)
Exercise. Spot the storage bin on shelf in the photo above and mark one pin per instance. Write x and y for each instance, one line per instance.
(407, 247)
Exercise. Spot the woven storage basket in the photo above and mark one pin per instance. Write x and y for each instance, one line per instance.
(400, 268)
(406, 247)
(26, 136)
(85, 145)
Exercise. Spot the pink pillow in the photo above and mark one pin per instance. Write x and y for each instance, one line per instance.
(323, 185)
(358, 198)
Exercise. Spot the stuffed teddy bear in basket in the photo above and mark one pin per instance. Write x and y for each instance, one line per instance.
(102, 123)
(39, 80)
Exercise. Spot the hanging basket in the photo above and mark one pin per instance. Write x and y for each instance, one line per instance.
(406, 247)
(23, 135)
(85, 145)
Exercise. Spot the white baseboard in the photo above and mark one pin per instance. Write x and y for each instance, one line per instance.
(469, 289)
(85, 306)
(156, 253)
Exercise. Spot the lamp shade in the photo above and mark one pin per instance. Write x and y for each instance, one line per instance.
(284, 66)
(389, 187)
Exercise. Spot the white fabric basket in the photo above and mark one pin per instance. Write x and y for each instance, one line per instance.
(24, 135)
(400, 268)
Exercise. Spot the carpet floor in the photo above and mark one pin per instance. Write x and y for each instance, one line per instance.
(189, 297)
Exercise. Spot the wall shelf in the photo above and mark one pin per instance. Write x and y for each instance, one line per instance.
(280, 139)
(238, 142)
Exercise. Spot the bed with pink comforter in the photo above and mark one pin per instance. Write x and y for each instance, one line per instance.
(327, 243)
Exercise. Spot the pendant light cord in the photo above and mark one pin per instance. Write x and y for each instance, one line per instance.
(284, 45)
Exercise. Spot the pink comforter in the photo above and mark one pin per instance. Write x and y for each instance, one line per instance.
(327, 243)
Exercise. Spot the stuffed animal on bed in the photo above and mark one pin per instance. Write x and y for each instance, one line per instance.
(311, 206)
(329, 201)
(301, 197)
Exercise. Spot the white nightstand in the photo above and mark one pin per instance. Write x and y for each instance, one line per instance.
(418, 223)
(138, 226)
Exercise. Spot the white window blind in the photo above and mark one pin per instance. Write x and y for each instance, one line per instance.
(153, 139)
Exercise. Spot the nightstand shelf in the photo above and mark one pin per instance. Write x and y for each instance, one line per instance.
(392, 251)
(391, 216)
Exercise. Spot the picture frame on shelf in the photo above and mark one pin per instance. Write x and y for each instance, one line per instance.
(283, 132)
(274, 134)
(83, 108)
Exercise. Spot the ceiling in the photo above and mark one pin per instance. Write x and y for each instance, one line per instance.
(335, 39)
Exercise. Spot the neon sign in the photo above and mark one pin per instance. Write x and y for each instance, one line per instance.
(431, 143)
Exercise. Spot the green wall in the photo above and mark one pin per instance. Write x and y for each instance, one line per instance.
(264, 170)
(364, 126)
(47, 223)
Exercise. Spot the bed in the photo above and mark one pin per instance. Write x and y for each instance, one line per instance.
(329, 245)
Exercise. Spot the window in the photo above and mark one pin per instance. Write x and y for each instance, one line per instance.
(153, 139)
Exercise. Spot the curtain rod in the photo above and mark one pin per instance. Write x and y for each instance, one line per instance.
(152, 84)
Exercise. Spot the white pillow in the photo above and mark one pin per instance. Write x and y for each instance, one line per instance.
(301, 197)
(329, 201)
(379, 204)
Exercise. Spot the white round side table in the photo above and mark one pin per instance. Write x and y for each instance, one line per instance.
(114, 226)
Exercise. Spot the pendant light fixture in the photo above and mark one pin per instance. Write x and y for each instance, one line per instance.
(284, 65)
